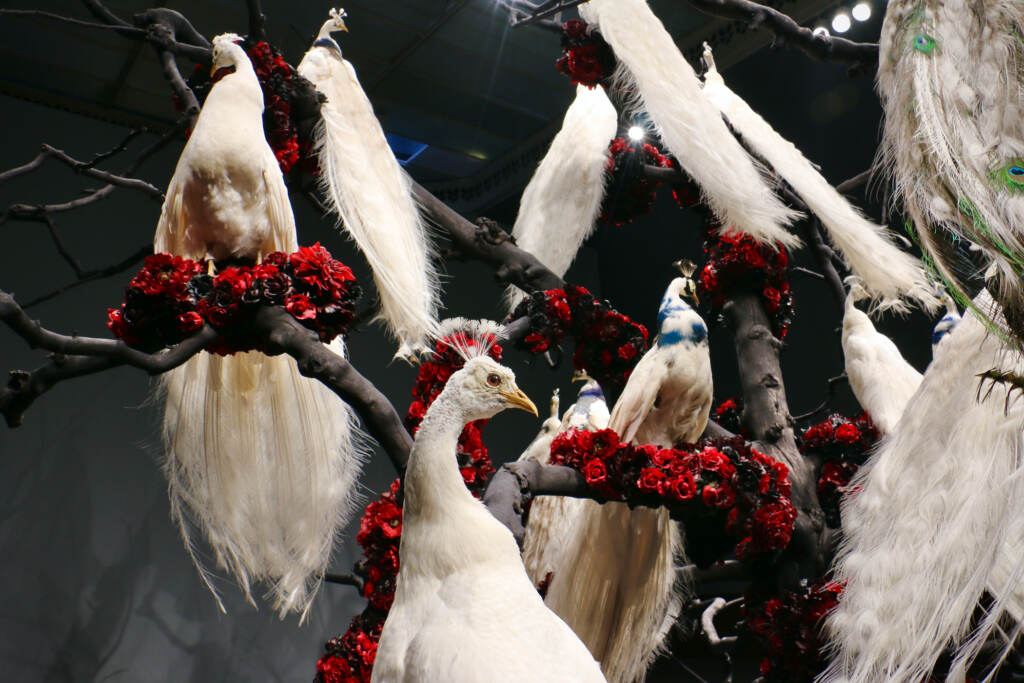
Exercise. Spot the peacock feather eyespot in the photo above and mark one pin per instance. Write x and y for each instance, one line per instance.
(1010, 175)
(924, 43)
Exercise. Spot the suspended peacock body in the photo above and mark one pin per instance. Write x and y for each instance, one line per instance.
(950, 78)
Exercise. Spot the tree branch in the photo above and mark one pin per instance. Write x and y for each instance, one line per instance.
(87, 276)
(257, 21)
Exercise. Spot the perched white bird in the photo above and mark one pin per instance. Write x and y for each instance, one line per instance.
(888, 273)
(665, 86)
(464, 608)
(952, 140)
(371, 193)
(551, 522)
(936, 522)
(880, 378)
(562, 201)
(262, 460)
(616, 583)
(946, 324)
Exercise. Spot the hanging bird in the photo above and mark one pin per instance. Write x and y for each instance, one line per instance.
(371, 194)
(260, 459)
(550, 525)
(880, 379)
(889, 274)
(952, 141)
(464, 607)
(562, 201)
(616, 582)
(949, 321)
(661, 82)
(935, 525)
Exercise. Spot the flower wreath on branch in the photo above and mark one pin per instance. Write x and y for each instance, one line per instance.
(844, 444)
(720, 488)
(735, 260)
(630, 193)
(349, 658)
(586, 58)
(788, 627)
(172, 297)
(729, 415)
(285, 93)
(608, 344)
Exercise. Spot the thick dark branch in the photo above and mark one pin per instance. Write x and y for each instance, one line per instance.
(23, 388)
(257, 21)
(345, 580)
(788, 32)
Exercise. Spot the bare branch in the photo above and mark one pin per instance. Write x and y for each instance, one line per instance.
(345, 580)
(257, 21)
(87, 276)
(127, 30)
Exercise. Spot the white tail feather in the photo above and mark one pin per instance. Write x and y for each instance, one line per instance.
(934, 522)
(887, 272)
(563, 198)
(666, 86)
(371, 193)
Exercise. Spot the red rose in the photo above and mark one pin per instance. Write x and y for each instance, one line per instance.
(333, 669)
(300, 307)
(627, 351)
(651, 480)
(720, 496)
(772, 299)
(595, 473)
(189, 322)
(847, 433)
(218, 316)
(772, 526)
(319, 272)
(682, 487)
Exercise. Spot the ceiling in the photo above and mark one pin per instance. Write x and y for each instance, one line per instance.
(475, 100)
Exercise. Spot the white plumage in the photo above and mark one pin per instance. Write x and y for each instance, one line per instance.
(262, 460)
(880, 379)
(935, 522)
(464, 607)
(563, 198)
(665, 85)
(888, 273)
(371, 194)
(552, 519)
(616, 584)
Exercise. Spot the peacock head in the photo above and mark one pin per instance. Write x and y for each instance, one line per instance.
(228, 55)
(677, 321)
(485, 388)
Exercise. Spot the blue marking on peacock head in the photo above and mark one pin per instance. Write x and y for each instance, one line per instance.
(677, 321)
(592, 390)
(944, 327)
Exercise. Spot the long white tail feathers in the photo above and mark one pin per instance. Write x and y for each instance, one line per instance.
(372, 195)
(263, 463)
(921, 545)
(890, 275)
(651, 66)
(562, 201)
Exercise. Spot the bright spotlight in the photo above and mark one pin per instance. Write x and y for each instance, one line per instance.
(861, 11)
(821, 32)
(636, 133)
(841, 22)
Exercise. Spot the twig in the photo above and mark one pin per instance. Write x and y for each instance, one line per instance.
(88, 276)
(257, 21)
(345, 580)
(824, 255)
(853, 183)
(61, 249)
(832, 382)
(807, 271)
(127, 30)
(707, 622)
(86, 169)
(122, 146)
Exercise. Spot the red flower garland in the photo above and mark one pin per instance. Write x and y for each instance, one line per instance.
(172, 297)
(844, 444)
(586, 58)
(788, 626)
(729, 415)
(608, 344)
(349, 658)
(736, 259)
(630, 193)
(732, 489)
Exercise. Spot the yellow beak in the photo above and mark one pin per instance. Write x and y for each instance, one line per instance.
(520, 400)
(213, 70)
(340, 26)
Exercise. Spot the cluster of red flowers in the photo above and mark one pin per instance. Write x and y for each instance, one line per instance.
(788, 626)
(608, 344)
(736, 259)
(729, 414)
(172, 297)
(630, 193)
(349, 658)
(586, 58)
(724, 487)
(283, 89)
(843, 444)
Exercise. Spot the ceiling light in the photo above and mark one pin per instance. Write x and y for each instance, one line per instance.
(841, 22)
(636, 133)
(821, 32)
(861, 11)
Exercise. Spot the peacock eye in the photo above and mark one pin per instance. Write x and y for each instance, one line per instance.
(493, 379)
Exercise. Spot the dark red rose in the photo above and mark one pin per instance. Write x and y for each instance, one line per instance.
(682, 487)
(189, 322)
(720, 496)
(300, 307)
(847, 433)
(651, 480)
(595, 473)
(218, 316)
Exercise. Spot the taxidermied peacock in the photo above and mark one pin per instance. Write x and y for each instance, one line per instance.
(563, 199)
(371, 193)
(950, 78)
(464, 607)
(260, 459)
(935, 525)
(551, 522)
(616, 583)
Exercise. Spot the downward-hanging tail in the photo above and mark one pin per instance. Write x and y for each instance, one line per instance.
(889, 274)
(371, 193)
(921, 546)
(563, 199)
(949, 79)
(665, 85)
